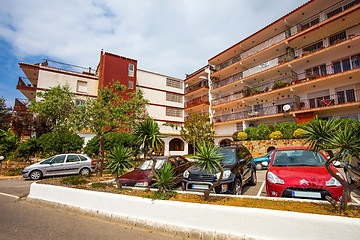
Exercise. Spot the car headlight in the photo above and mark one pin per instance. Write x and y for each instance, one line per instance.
(141, 184)
(186, 174)
(333, 182)
(226, 174)
(271, 177)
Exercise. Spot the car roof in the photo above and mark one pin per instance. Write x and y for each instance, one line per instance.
(293, 148)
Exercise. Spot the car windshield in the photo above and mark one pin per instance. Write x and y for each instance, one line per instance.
(146, 165)
(229, 156)
(298, 158)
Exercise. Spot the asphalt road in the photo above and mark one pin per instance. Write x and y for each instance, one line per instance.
(24, 220)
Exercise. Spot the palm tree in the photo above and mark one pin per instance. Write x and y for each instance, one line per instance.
(119, 160)
(339, 135)
(208, 159)
(166, 175)
(148, 137)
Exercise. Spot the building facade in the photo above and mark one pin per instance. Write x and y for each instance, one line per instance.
(306, 63)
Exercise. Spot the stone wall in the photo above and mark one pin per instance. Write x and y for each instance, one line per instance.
(259, 148)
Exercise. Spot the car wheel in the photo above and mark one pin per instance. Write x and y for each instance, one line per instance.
(35, 175)
(258, 166)
(348, 177)
(253, 179)
(237, 187)
(85, 171)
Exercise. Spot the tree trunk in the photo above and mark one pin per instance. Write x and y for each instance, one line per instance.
(153, 170)
(100, 160)
(117, 181)
(207, 192)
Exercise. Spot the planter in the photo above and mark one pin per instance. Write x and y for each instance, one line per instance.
(200, 220)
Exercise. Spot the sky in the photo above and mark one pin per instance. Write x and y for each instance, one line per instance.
(170, 37)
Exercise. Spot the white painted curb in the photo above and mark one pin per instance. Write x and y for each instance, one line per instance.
(202, 220)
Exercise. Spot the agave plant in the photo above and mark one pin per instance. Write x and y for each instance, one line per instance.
(119, 160)
(208, 159)
(166, 177)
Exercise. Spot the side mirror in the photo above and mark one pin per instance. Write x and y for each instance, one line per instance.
(336, 163)
(265, 164)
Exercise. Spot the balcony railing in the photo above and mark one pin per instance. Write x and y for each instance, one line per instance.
(340, 98)
(197, 86)
(227, 80)
(68, 67)
(21, 104)
(197, 101)
(25, 82)
(201, 113)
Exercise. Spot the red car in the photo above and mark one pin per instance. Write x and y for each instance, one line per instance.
(297, 172)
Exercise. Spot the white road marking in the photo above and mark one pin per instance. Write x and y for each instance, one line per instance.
(261, 188)
(9, 195)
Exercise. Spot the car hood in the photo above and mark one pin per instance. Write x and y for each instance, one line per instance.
(197, 170)
(311, 177)
(137, 176)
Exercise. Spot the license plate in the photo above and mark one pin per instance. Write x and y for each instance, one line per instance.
(199, 186)
(306, 194)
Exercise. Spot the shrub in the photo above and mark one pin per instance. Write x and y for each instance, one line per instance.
(299, 133)
(28, 148)
(8, 142)
(240, 136)
(60, 142)
(263, 132)
(287, 129)
(74, 180)
(252, 133)
(276, 135)
(13, 172)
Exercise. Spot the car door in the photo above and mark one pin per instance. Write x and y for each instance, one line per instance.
(354, 168)
(72, 164)
(56, 166)
(245, 162)
(181, 165)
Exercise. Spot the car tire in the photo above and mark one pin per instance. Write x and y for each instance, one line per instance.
(253, 179)
(85, 171)
(237, 187)
(258, 166)
(35, 175)
(348, 177)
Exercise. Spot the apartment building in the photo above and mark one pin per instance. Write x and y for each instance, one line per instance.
(304, 64)
(165, 93)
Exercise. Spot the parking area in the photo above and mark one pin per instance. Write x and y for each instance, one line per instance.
(260, 189)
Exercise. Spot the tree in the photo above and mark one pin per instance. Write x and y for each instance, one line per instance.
(110, 112)
(208, 159)
(59, 142)
(166, 178)
(5, 116)
(340, 135)
(55, 109)
(8, 142)
(148, 137)
(119, 160)
(198, 130)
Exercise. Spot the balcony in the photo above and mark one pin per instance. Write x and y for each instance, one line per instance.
(341, 98)
(197, 101)
(203, 83)
(21, 105)
(226, 81)
(201, 113)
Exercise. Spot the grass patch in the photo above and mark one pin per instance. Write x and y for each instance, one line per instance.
(13, 172)
(100, 185)
(74, 180)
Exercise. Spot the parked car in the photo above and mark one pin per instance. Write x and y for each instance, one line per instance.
(63, 164)
(142, 175)
(258, 161)
(352, 170)
(297, 172)
(238, 171)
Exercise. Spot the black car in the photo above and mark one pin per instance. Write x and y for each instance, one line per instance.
(238, 169)
(352, 170)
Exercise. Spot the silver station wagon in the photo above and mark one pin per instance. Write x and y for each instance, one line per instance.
(63, 164)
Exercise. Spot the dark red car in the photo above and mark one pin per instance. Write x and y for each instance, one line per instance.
(297, 172)
(142, 175)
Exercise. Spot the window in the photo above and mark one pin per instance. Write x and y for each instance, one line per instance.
(176, 145)
(173, 112)
(309, 24)
(355, 61)
(336, 38)
(239, 127)
(314, 47)
(334, 12)
(131, 70)
(131, 85)
(58, 159)
(316, 71)
(172, 97)
(173, 83)
(82, 158)
(79, 103)
(72, 158)
(349, 5)
(347, 64)
(81, 86)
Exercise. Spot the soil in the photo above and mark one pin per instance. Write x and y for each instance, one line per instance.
(303, 207)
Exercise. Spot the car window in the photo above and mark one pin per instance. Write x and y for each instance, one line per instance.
(146, 165)
(181, 160)
(72, 158)
(173, 162)
(229, 155)
(298, 158)
(58, 159)
(47, 161)
(82, 158)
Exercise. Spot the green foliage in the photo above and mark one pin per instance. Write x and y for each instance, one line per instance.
(28, 148)
(60, 142)
(158, 195)
(263, 132)
(8, 142)
(147, 135)
(74, 180)
(13, 172)
(240, 136)
(120, 159)
(198, 130)
(252, 133)
(276, 135)
(207, 158)
(166, 178)
(100, 185)
(5, 116)
(299, 133)
(287, 129)
(112, 139)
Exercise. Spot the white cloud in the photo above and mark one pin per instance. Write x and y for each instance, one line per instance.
(168, 37)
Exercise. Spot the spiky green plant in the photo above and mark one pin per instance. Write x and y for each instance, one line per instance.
(166, 179)
(119, 160)
(208, 159)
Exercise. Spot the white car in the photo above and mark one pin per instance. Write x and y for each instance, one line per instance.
(63, 164)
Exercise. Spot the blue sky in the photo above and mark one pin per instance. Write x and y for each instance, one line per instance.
(174, 37)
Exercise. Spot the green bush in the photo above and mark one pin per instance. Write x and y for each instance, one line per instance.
(13, 172)
(28, 148)
(287, 129)
(239, 136)
(60, 142)
(8, 142)
(299, 133)
(263, 132)
(252, 133)
(276, 135)
(111, 140)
